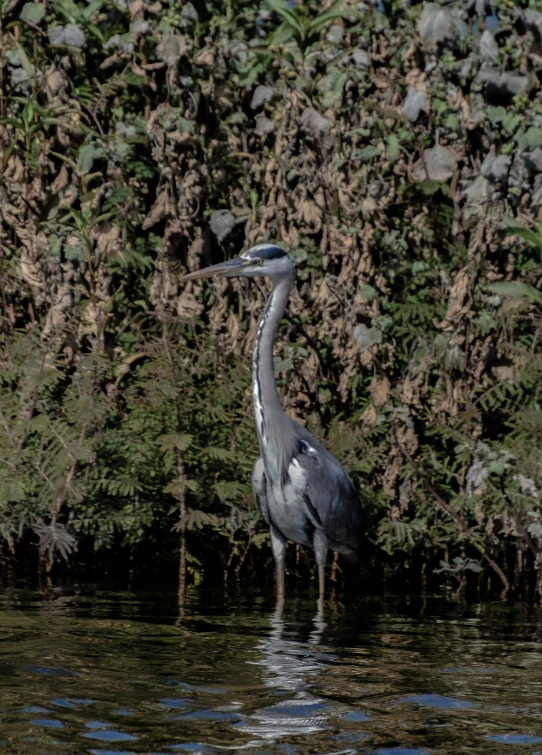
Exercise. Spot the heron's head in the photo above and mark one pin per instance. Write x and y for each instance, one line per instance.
(262, 260)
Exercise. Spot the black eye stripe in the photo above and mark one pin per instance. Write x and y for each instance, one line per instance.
(269, 252)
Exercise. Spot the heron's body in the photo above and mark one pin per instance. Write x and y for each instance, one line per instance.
(315, 500)
(302, 491)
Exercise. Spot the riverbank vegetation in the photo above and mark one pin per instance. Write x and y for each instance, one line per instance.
(395, 149)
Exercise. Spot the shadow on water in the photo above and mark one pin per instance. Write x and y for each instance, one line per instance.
(84, 670)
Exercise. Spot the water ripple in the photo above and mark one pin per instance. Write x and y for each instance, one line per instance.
(109, 735)
(382, 678)
(437, 701)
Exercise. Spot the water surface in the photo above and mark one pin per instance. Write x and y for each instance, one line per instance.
(84, 670)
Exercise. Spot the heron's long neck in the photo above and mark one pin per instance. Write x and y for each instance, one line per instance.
(269, 414)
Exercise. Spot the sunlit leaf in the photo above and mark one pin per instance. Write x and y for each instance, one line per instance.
(287, 14)
(515, 228)
(516, 289)
(32, 12)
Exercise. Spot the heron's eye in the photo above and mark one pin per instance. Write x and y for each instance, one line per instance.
(258, 261)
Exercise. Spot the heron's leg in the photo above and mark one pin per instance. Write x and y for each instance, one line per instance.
(319, 542)
(278, 545)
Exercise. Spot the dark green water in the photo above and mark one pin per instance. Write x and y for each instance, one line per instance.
(84, 670)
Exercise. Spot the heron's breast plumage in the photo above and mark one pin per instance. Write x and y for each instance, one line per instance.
(286, 505)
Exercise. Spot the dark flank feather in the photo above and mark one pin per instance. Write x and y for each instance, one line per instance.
(330, 494)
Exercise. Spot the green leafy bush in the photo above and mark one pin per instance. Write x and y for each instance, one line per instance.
(394, 150)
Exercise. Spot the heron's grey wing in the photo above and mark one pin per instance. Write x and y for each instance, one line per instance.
(330, 497)
(259, 488)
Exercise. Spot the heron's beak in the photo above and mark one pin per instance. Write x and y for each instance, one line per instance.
(228, 268)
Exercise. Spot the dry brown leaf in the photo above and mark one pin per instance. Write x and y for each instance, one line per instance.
(407, 391)
(405, 494)
(181, 138)
(68, 197)
(391, 473)
(29, 270)
(379, 390)
(110, 61)
(207, 57)
(15, 169)
(309, 368)
(417, 79)
(368, 356)
(61, 181)
(407, 438)
(88, 320)
(368, 417)
(163, 288)
(448, 401)
(56, 315)
(322, 293)
(136, 9)
(234, 330)
(310, 214)
(217, 314)
(340, 245)
(107, 238)
(460, 300)
(188, 307)
(162, 207)
(56, 82)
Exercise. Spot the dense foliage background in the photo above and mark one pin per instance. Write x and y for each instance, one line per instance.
(395, 149)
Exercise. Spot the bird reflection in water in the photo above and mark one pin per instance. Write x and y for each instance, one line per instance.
(287, 666)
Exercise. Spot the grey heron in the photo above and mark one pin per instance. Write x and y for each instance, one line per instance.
(301, 490)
